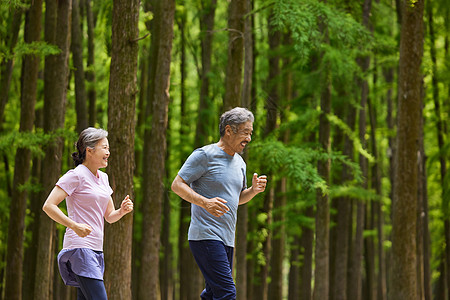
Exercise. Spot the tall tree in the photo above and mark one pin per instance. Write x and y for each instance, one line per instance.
(155, 151)
(77, 57)
(57, 31)
(6, 65)
(321, 273)
(233, 80)
(121, 125)
(404, 214)
(242, 219)
(16, 228)
(90, 74)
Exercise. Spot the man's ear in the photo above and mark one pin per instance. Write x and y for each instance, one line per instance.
(228, 130)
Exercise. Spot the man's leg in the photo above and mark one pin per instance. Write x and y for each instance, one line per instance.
(212, 257)
(93, 289)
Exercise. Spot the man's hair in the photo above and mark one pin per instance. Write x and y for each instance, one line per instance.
(234, 117)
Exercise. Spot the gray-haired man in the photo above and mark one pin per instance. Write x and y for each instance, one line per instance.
(213, 179)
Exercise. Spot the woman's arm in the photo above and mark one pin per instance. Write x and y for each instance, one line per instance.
(113, 215)
(57, 195)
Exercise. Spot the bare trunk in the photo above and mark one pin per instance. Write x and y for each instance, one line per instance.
(57, 31)
(155, 152)
(6, 67)
(236, 11)
(90, 74)
(77, 57)
(404, 219)
(121, 112)
(16, 228)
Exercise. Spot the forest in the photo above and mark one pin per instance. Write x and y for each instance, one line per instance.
(351, 129)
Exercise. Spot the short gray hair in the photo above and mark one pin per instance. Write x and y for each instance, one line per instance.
(234, 117)
(88, 139)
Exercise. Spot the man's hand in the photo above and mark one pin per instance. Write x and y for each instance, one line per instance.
(216, 206)
(259, 183)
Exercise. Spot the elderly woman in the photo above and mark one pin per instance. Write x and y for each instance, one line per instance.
(213, 179)
(88, 199)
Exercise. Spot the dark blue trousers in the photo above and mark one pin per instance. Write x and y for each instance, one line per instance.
(215, 260)
(90, 289)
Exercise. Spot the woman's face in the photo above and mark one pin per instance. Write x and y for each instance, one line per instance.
(99, 155)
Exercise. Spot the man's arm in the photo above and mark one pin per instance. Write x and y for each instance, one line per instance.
(215, 206)
(258, 186)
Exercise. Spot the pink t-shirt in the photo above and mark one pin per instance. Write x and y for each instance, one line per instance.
(88, 197)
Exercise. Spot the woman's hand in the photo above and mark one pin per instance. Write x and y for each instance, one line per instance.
(126, 206)
(82, 230)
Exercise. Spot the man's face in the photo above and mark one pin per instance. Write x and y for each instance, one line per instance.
(243, 136)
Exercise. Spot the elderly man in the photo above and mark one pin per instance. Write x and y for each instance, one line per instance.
(213, 179)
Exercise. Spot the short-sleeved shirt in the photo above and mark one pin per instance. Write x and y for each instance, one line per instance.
(211, 172)
(87, 200)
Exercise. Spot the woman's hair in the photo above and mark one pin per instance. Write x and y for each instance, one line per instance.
(234, 117)
(88, 139)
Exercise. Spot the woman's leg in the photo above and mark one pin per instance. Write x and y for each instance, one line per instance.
(93, 289)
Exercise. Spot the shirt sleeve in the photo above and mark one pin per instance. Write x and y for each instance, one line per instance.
(194, 167)
(106, 183)
(69, 182)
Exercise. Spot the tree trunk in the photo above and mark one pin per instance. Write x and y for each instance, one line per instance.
(204, 116)
(441, 140)
(377, 205)
(90, 74)
(262, 290)
(236, 11)
(6, 67)
(57, 31)
(30, 68)
(242, 218)
(121, 111)
(155, 153)
(306, 251)
(33, 228)
(404, 217)
(77, 57)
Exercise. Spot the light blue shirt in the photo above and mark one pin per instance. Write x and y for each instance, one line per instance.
(211, 172)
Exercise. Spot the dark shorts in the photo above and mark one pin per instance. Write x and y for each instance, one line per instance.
(215, 260)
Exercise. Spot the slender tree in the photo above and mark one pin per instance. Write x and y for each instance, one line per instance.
(90, 74)
(404, 216)
(77, 57)
(121, 126)
(155, 151)
(233, 80)
(16, 228)
(6, 65)
(57, 31)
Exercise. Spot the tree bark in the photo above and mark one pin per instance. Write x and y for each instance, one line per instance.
(121, 126)
(404, 217)
(16, 228)
(90, 74)
(206, 27)
(236, 11)
(57, 31)
(242, 218)
(6, 67)
(155, 153)
(77, 57)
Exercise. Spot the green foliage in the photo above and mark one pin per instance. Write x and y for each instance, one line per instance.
(13, 4)
(41, 49)
(35, 141)
(305, 20)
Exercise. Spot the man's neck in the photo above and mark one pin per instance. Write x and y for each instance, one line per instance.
(225, 147)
